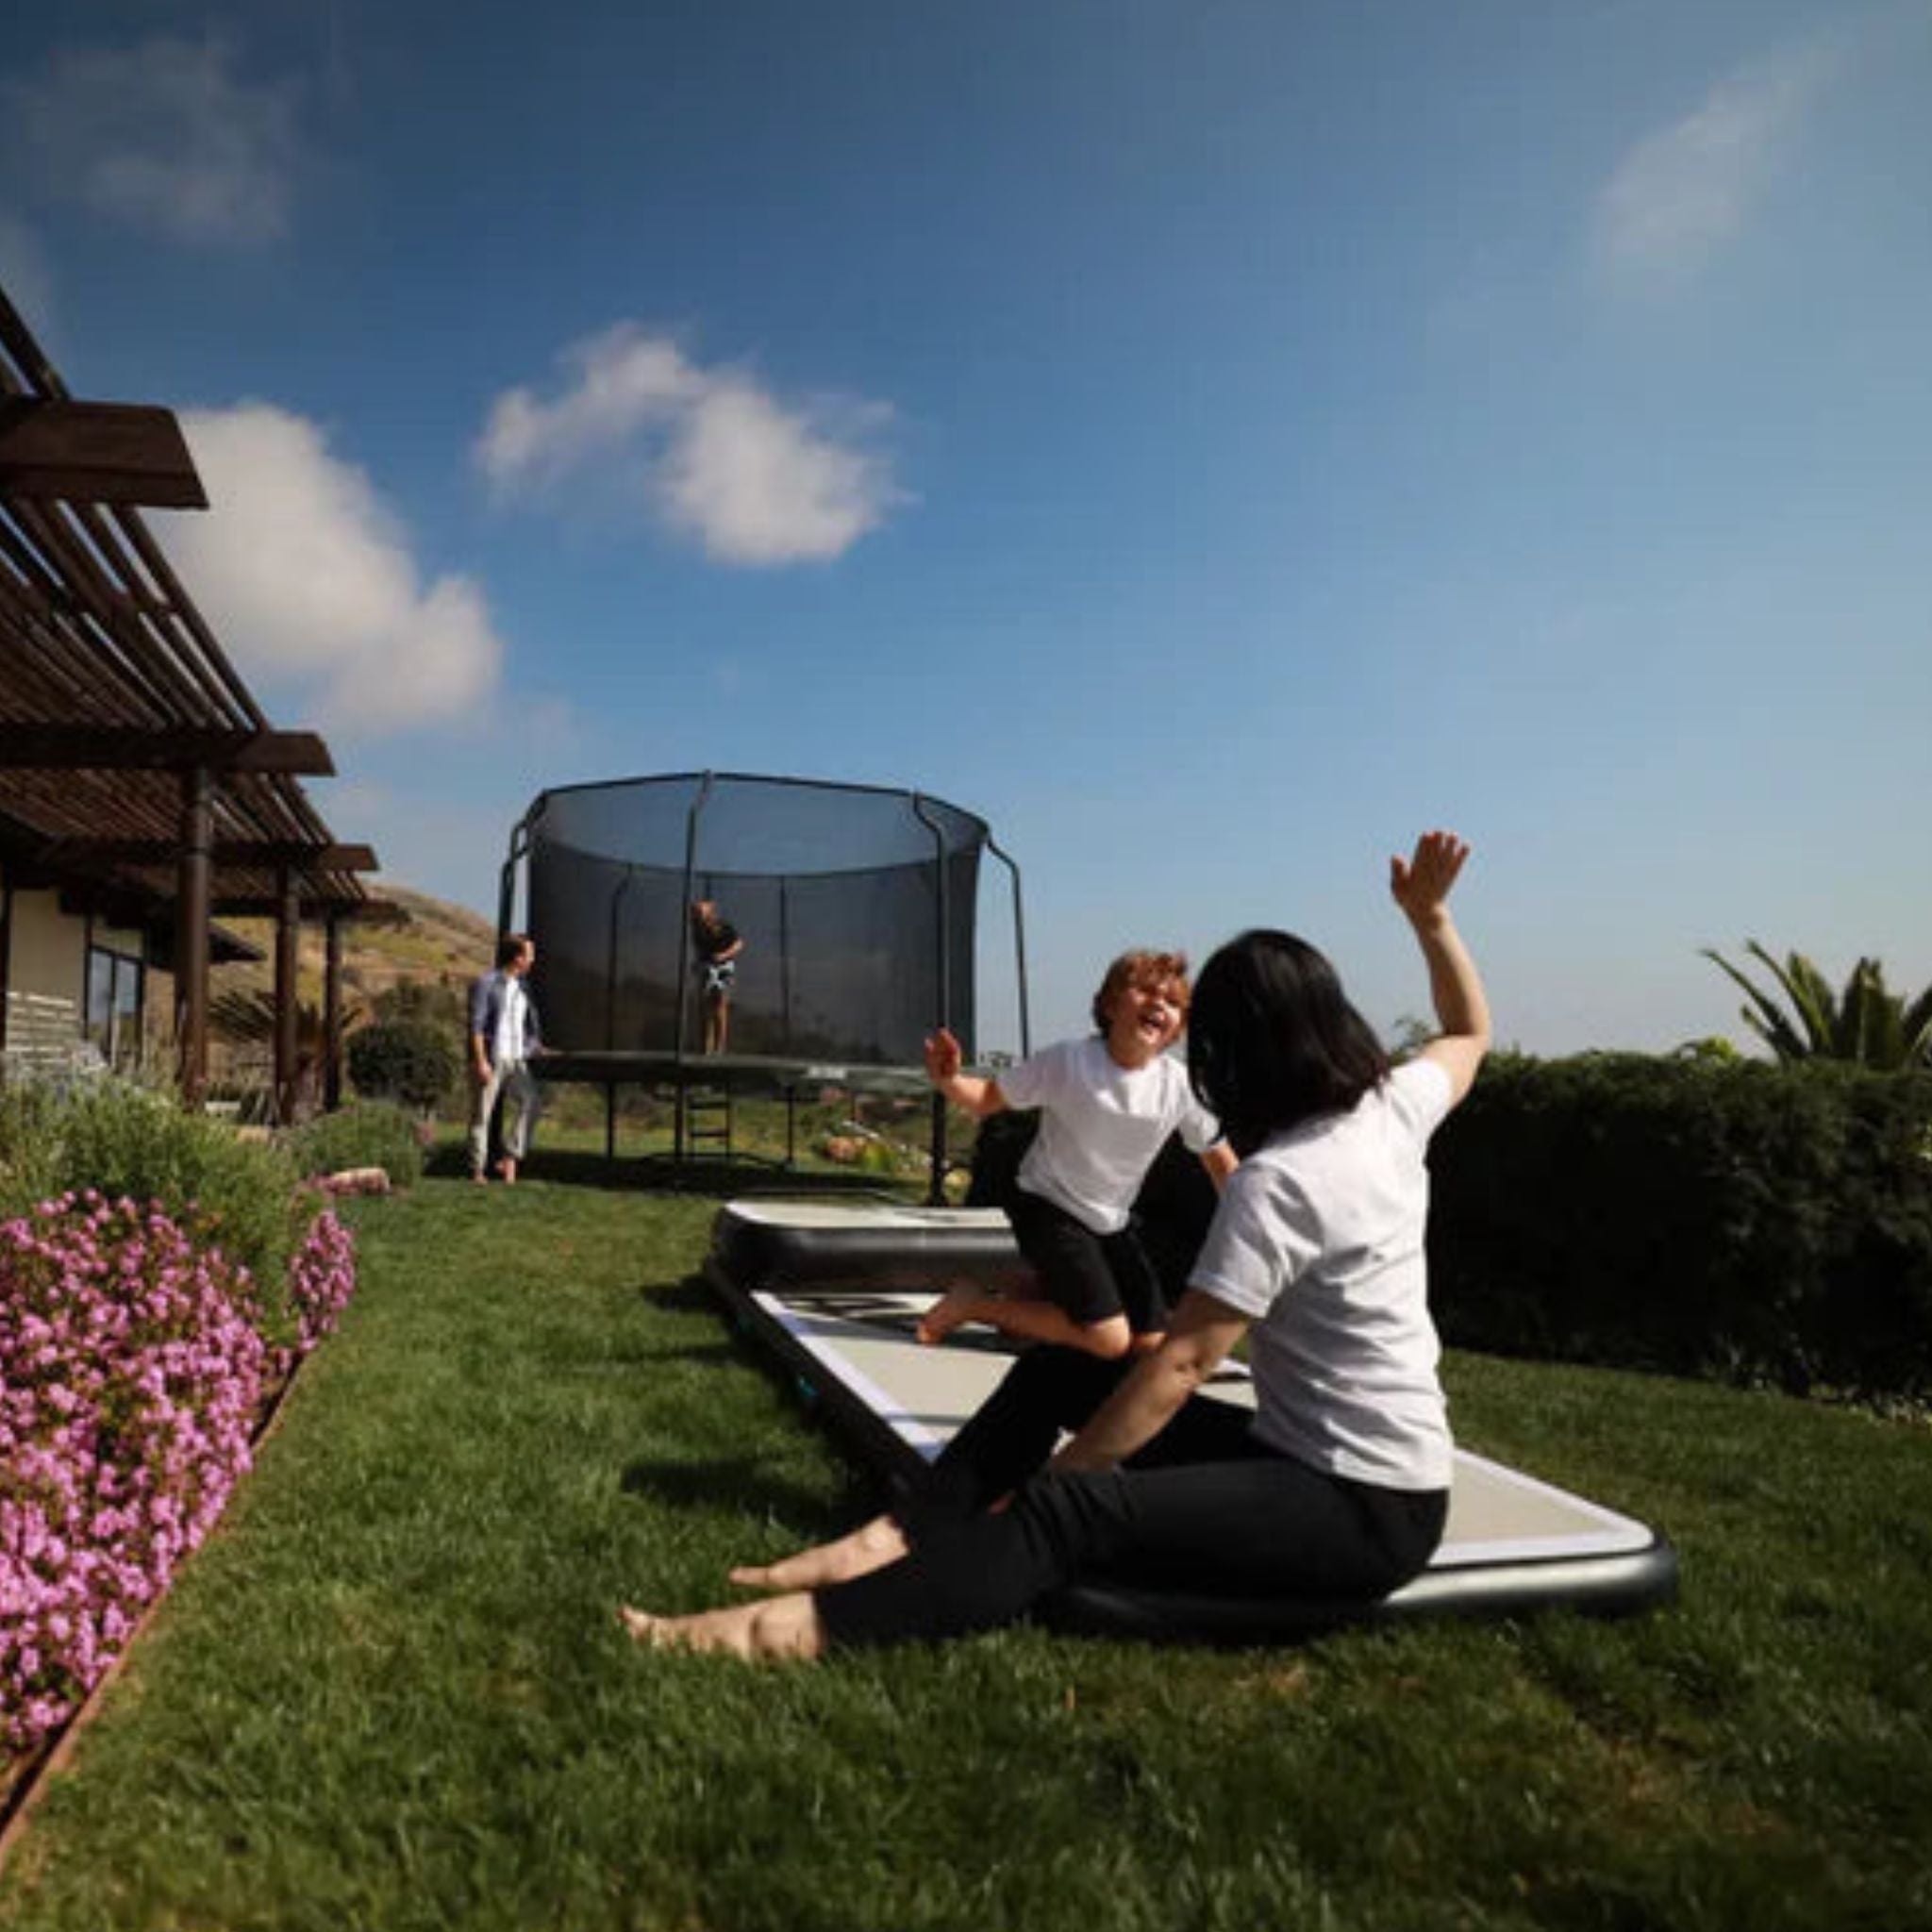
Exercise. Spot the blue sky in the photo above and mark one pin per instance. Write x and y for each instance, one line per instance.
(1212, 442)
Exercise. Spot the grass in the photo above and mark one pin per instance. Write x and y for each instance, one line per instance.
(390, 1692)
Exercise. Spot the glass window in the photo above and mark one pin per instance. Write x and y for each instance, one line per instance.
(115, 988)
(100, 1001)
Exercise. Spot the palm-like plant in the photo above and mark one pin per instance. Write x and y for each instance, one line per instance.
(1867, 1023)
(248, 1018)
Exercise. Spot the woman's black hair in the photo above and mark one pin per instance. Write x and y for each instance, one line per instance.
(1273, 1040)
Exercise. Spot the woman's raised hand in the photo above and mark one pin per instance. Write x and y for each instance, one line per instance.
(1421, 883)
(943, 1058)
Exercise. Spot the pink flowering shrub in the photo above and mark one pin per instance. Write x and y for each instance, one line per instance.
(133, 1372)
(321, 1277)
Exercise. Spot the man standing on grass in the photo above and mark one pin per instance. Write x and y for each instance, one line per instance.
(503, 1039)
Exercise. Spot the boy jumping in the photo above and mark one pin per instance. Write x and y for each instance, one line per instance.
(1106, 1105)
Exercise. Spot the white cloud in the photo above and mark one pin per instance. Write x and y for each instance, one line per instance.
(1682, 192)
(717, 457)
(162, 134)
(308, 579)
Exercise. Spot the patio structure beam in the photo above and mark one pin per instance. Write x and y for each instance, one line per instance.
(108, 453)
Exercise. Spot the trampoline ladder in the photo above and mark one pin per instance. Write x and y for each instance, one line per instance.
(706, 1121)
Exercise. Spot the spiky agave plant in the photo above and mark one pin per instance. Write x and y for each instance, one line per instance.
(1867, 1023)
(247, 1017)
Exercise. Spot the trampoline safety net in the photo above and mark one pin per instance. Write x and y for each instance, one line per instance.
(856, 907)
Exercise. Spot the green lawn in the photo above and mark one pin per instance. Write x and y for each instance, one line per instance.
(392, 1691)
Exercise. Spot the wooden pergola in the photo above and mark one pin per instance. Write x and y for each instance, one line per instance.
(137, 771)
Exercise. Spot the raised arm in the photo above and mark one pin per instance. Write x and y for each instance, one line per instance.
(1420, 885)
(943, 1062)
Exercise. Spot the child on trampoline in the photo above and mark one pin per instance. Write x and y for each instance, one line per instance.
(718, 944)
(1337, 1487)
(1108, 1104)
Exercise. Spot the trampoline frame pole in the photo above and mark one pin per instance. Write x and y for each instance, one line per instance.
(784, 960)
(936, 1189)
(622, 886)
(992, 845)
(691, 853)
(506, 880)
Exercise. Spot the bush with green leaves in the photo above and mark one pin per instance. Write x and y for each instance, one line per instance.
(372, 1133)
(1751, 1221)
(413, 1062)
(134, 1142)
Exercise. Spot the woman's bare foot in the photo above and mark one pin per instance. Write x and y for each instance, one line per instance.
(953, 1309)
(783, 1627)
(869, 1548)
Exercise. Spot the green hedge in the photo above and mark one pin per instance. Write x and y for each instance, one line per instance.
(1754, 1222)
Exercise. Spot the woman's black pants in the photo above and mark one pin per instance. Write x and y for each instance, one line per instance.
(1201, 1508)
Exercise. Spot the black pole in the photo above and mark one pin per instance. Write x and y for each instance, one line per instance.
(506, 881)
(936, 1191)
(617, 893)
(691, 853)
(785, 961)
(1019, 944)
(192, 902)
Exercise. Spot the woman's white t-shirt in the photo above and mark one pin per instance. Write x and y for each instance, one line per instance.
(1319, 1241)
(1101, 1124)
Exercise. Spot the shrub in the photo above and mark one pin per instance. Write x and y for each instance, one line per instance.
(126, 1140)
(321, 1277)
(409, 1061)
(1750, 1220)
(372, 1133)
(431, 1002)
(131, 1371)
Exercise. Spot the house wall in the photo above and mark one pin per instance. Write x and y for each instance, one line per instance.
(45, 976)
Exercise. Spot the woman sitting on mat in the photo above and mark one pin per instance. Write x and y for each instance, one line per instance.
(1338, 1484)
(1107, 1104)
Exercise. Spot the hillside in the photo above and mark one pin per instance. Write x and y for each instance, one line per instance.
(434, 941)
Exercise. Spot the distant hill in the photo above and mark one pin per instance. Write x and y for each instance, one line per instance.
(435, 942)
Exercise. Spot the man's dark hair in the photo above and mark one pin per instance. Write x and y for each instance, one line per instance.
(1273, 1040)
(509, 946)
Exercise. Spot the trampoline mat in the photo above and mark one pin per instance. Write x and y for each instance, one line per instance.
(1513, 1543)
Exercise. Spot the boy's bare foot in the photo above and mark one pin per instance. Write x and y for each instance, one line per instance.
(953, 1309)
(507, 1167)
(869, 1548)
(785, 1628)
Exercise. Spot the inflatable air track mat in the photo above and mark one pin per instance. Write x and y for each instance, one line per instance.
(834, 1289)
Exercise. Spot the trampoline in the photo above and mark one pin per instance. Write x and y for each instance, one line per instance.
(827, 1289)
(858, 909)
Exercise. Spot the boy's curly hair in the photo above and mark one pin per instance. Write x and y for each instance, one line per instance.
(1140, 968)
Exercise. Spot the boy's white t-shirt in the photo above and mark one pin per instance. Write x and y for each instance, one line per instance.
(1319, 1240)
(1101, 1124)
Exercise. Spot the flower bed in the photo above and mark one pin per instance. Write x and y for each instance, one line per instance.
(136, 1363)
